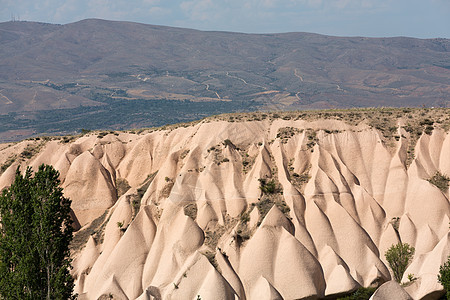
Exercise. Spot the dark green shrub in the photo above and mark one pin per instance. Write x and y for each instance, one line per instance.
(444, 276)
(426, 122)
(360, 294)
(429, 129)
(227, 142)
(267, 187)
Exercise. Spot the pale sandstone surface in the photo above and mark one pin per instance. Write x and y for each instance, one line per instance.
(390, 290)
(191, 224)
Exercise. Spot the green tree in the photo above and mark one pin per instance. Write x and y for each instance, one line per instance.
(444, 276)
(399, 256)
(35, 235)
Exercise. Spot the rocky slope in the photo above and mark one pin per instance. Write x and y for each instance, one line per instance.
(269, 208)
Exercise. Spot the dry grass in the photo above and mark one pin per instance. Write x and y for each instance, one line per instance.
(7, 163)
(271, 194)
(165, 192)
(417, 121)
(384, 119)
(31, 150)
(285, 133)
(214, 233)
(247, 160)
(298, 180)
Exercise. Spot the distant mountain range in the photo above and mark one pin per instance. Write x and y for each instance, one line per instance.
(59, 78)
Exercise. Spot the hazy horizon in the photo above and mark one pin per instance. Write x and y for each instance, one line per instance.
(368, 18)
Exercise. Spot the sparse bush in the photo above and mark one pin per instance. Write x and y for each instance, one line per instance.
(395, 221)
(102, 134)
(301, 178)
(190, 210)
(122, 186)
(429, 129)
(184, 154)
(263, 206)
(242, 236)
(165, 192)
(211, 256)
(440, 181)
(426, 122)
(360, 294)
(141, 190)
(95, 229)
(227, 142)
(392, 129)
(30, 151)
(283, 207)
(26, 153)
(245, 217)
(136, 204)
(7, 164)
(311, 137)
(399, 256)
(267, 187)
(106, 297)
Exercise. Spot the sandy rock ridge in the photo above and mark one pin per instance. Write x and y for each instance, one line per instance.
(251, 210)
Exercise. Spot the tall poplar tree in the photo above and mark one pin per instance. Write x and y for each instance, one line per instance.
(35, 235)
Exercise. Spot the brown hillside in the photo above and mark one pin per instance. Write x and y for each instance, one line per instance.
(107, 65)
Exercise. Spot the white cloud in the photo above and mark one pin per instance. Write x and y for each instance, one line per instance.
(199, 10)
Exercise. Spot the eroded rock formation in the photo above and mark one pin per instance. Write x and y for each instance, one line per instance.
(249, 210)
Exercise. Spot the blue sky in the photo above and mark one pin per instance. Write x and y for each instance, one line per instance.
(379, 18)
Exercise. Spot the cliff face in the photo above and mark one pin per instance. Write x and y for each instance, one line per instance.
(260, 209)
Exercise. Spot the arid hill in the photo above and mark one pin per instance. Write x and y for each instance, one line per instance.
(94, 74)
(293, 205)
